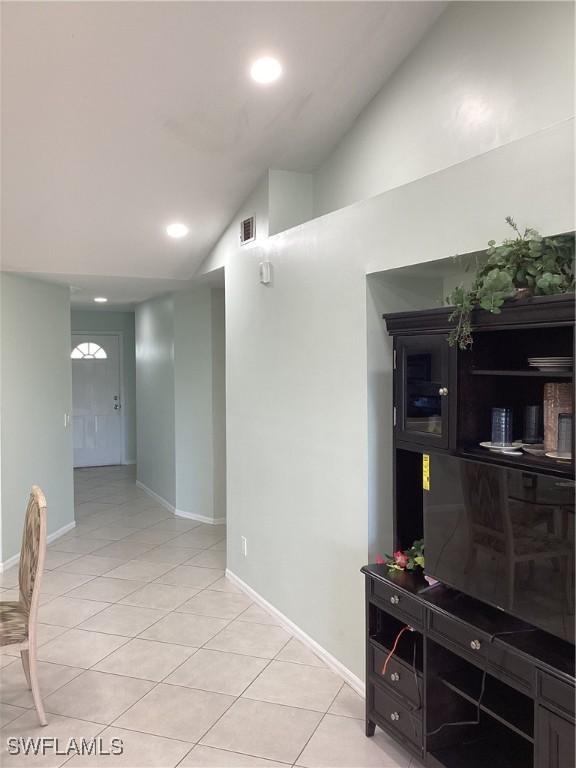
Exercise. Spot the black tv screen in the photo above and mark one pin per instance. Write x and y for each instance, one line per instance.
(503, 536)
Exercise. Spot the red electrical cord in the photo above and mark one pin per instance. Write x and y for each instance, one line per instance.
(398, 636)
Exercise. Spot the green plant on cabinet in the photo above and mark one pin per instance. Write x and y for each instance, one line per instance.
(527, 265)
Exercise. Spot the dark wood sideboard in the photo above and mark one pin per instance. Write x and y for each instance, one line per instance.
(435, 677)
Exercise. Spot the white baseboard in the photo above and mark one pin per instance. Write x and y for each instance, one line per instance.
(200, 518)
(60, 532)
(162, 501)
(179, 512)
(9, 563)
(331, 661)
(49, 539)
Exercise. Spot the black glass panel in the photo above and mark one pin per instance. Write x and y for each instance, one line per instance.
(423, 402)
(504, 536)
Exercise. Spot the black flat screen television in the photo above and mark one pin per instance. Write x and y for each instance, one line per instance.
(503, 536)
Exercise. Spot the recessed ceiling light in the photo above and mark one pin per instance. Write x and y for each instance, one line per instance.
(177, 230)
(266, 70)
(100, 299)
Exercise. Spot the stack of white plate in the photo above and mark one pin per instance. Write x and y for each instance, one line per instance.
(551, 364)
(512, 449)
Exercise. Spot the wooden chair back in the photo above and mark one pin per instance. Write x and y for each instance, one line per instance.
(33, 553)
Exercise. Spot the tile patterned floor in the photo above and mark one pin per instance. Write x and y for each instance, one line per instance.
(143, 638)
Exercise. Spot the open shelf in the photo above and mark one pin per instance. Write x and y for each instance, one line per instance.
(495, 372)
(499, 732)
(384, 630)
(509, 349)
(526, 461)
(458, 738)
(503, 703)
(495, 749)
(525, 372)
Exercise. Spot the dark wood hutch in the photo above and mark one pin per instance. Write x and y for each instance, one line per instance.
(469, 685)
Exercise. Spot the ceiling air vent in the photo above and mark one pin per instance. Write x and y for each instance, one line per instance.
(247, 230)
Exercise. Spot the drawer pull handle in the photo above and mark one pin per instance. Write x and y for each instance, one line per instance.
(394, 677)
(475, 645)
(394, 599)
(394, 716)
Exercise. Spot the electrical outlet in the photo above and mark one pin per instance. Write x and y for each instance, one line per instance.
(244, 545)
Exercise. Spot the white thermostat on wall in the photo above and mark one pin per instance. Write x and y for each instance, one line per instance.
(265, 272)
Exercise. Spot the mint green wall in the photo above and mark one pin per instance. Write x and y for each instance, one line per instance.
(193, 396)
(155, 428)
(180, 386)
(200, 403)
(36, 393)
(219, 400)
(473, 84)
(102, 322)
(290, 199)
(297, 375)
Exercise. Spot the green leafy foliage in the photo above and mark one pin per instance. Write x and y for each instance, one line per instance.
(527, 265)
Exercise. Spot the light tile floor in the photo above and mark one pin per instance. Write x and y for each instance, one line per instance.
(143, 638)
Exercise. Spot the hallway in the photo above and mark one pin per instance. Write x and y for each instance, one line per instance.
(143, 638)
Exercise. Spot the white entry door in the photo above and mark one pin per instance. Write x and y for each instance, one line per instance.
(96, 400)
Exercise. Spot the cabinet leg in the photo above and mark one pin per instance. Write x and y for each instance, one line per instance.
(370, 728)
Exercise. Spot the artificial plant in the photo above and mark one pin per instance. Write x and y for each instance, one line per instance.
(407, 559)
(526, 265)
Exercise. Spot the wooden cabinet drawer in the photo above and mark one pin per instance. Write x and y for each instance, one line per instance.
(400, 678)
(469, 639)
(477, 646)
(557, 693)
(397, 717)
(397, 602)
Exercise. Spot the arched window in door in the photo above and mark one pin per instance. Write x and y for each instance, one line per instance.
(88, 350)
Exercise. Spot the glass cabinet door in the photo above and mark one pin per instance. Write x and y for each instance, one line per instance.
(422, 389)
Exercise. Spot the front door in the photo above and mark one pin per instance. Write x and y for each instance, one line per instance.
(96, 400)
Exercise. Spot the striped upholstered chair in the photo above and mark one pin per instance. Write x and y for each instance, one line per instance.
(18, 619)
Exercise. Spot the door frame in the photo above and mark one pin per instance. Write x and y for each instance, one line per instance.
(123, 425)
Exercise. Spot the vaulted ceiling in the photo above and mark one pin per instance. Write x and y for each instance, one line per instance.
(120, 117)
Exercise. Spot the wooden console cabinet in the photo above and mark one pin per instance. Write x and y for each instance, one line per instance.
(456, 649)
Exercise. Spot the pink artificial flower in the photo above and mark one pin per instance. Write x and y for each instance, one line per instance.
(380, 560)
(401, 559)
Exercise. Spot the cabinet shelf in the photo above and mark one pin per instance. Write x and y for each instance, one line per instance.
(521, 372)
(495, 750)
(502, 703)
(526, 461)
(383, 633)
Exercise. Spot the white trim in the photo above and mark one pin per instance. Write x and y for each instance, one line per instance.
(200, 518)
(331, 661)
(179, 512)
(9, 563)
(49, 539)
(162, 501)
(60, 532)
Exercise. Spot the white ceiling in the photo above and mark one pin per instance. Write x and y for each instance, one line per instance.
(120, 117)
